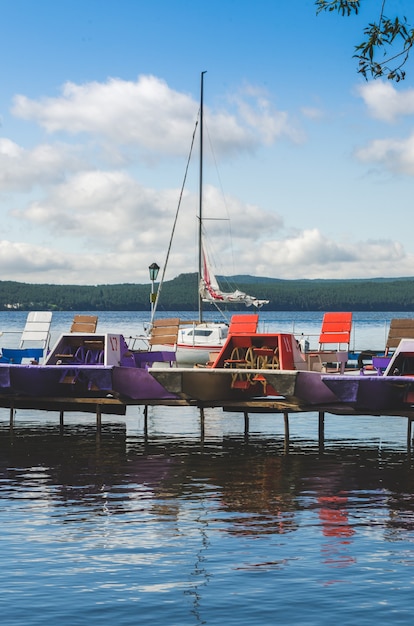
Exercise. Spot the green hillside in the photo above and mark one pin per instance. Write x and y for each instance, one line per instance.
(379, 294)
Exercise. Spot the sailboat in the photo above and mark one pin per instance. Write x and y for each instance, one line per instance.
(198, 341)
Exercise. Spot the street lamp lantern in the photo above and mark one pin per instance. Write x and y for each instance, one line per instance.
(153, 272)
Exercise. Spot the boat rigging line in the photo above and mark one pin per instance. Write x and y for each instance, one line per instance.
(174, 225)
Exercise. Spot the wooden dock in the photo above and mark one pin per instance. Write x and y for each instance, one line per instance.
(117, 406)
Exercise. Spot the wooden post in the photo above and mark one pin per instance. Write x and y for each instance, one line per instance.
(409, 429)
(11, 416)
(61, 423)
(286, 420)
(202, 420)
(146, 421)
(246, 423)
(321, 431)
(98, 418)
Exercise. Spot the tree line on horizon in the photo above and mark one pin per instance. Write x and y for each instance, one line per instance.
(180, 294)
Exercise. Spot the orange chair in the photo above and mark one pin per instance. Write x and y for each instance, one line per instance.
(334, 341)
(243, 324)
(336, 330)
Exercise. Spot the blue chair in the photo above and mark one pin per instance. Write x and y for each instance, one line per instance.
(16, 355)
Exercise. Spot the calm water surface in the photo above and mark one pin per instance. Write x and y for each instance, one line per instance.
(168, 527)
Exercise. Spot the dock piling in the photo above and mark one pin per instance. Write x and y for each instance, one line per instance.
(286, 420)
(98, 417)
(202, 423)
(321, 430)
(246, 423)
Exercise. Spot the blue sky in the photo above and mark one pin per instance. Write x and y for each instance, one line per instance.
(308, 168)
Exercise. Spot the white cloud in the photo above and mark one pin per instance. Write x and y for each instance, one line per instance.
(103, 208)
(257, 112)
(19, 259)
(21, 169)
(307, 254)
(98, 225)
(396, 155)
(384, 102)
(387, 104)
(149, 114)
(312, 113)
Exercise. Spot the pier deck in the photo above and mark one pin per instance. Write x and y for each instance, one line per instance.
(275, 406)
(118, 406)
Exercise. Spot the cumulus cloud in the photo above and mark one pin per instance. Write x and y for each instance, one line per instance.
(150, 115)
(396, 155)
(384, 102)
(307, 254)
(19, 258)
(103, 207)
(387, 104)
(101, 225)
(21, 169)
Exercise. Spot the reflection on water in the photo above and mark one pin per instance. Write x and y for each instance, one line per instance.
(172, 529)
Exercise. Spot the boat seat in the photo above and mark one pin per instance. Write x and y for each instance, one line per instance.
(336, 330)
(243, 324)
(37, 329)
(164, 332)
(334, 341)
(17, 355)
(84, 324)
(399, 329)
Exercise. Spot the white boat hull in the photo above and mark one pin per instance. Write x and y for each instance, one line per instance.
(196, 343)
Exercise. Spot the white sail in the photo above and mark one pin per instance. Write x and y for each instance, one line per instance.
(210, 290)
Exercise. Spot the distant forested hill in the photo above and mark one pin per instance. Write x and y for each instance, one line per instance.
(180, 294)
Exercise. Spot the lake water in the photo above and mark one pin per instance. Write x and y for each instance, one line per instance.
(168, 527)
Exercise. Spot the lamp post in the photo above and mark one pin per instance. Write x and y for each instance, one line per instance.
(153, 273)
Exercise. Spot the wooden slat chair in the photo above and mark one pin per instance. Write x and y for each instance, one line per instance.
(84, 324)
(37, 329)
(164, 332)
(334, 341)
(399, 329)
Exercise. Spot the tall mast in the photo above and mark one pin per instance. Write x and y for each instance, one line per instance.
(200, 201)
